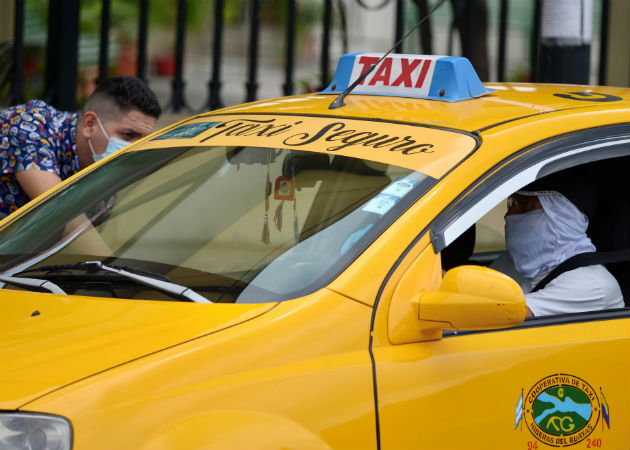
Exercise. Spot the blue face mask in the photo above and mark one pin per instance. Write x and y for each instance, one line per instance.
(114, 144)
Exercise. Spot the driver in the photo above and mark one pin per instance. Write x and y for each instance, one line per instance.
(545, 227)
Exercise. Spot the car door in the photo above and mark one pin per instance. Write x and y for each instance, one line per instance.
(553, 381)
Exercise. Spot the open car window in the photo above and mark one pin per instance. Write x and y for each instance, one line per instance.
(483, 243)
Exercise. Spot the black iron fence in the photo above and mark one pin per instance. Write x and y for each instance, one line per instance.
(61, 66)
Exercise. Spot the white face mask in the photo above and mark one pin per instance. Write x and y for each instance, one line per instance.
(114, 144)
(539, 240)
(530, 240)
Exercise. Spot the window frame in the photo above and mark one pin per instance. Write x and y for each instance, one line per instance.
(523, 167)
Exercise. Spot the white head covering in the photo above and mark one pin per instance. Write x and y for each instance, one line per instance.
(539, 240)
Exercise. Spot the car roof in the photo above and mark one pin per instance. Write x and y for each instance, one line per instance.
(452, 131)
(424, 112)
(508, 102)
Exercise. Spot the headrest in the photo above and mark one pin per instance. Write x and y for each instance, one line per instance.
(574, 184)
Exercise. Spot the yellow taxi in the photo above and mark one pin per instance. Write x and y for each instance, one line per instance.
(287, 274)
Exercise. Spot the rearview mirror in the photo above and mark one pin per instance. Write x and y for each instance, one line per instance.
(472, 298)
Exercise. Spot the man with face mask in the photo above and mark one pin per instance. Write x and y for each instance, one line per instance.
(544, 228)
(41, 146)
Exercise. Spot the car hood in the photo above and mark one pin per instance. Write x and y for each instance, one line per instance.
(48, 341)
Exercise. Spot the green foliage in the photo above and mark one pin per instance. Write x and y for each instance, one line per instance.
(38, 8)
(307, 11)
(123, 17)
(124, 14)
(163, 14)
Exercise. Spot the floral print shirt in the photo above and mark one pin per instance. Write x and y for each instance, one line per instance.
(34, 136)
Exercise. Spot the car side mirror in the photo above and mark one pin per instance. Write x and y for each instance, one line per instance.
(472, 298)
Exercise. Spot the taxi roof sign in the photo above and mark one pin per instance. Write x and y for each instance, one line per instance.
(444, 78)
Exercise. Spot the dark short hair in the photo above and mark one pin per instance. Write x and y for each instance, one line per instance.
(126, 93)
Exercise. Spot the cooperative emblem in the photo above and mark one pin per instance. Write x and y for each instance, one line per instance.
(561, 410)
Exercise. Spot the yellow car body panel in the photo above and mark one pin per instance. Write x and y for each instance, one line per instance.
(85, 335)
(470, 383)
(354, 364)
(471, 379)
(510, 101)
(267, 373)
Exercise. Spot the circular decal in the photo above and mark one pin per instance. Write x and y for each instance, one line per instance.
(590, 97)
(561, 410)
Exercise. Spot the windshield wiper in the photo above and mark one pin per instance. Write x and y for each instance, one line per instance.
(32, 283)
(154, 281)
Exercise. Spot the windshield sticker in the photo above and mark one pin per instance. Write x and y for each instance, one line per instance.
(381, 204)
(187, 131)
(389, 196)
(429, 150)
(400, 187)
(562, 410)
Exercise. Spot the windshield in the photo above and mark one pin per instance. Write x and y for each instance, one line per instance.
(234, 224)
